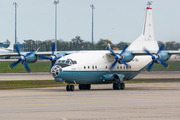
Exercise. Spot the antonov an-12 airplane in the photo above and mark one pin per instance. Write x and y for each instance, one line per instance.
(103, 67)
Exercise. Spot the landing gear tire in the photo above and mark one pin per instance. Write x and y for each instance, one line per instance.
(84, 86)
(122, 86)
(67, 88)
(80, 86)
(118, 86)
(72, 87)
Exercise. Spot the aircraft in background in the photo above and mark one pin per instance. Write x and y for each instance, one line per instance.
(103, 67)
(9, 49)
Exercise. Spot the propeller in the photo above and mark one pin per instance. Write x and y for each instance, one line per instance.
(118, 58)
(21, 59)
(52, 58)
(156, 59)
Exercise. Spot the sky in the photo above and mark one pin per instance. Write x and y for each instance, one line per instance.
(117, 20)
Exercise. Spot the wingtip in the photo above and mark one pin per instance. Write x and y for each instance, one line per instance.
(168, 66)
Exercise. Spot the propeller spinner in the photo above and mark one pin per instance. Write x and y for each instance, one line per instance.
(118, 58)
(52, 58)
(155, 58)
(21, 59)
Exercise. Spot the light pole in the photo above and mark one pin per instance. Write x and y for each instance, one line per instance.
(92, 6)
(55, 3)
(15, 4)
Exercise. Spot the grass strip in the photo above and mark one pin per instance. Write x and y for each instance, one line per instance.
(29, 84)
(52, 83)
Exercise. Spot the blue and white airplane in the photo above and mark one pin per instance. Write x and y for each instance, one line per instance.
(103, 67)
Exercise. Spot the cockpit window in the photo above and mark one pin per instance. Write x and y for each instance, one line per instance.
(67, 61)
(74, 62)
(63, 61)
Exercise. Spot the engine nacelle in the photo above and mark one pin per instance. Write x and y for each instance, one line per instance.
(58, 55)
(127, 56)
(164, 56)
(32, 58)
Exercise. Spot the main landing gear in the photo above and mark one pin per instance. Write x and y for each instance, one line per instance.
(118, 86)
(70, 87)
(84, 86)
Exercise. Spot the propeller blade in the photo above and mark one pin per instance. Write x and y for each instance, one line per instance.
(57, 58)
(150, 66)
(123, 50)
(14, 64)
(17, 49)
(26, 66)
(113, 64)
(28, 54)
(43, 57)
(112, 51)
(125, 63)
(52, 63)
(147, 52)
(161, 48)
(163, 63)
(53, 48)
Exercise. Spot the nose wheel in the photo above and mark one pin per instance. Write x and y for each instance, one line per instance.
(118, 86)
(70, 88)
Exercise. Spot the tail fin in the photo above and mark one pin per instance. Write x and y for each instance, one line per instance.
(11, 46)
(146, 39)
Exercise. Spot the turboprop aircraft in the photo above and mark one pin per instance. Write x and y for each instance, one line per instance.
(103, 67)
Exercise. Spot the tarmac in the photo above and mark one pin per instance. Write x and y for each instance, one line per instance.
(139, 101)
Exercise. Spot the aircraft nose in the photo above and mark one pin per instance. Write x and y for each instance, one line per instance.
(55, 70)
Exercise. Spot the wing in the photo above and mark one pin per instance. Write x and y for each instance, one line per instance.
(49, 53)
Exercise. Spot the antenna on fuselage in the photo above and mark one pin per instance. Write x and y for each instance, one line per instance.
(149, 3)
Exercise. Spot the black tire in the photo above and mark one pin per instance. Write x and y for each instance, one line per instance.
(67, 88)
(122, 86)
(118, 86)
(114, 86)
(88, 86)
(80, 87)
(84, 87)
(72, 87)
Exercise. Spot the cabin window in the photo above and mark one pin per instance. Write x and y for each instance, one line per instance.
(117, 67)
(84, 67)
(92, 67)
(96, 67)
(88, 67)
(59, 61)
(124, 67)
(120, 67)
(106, 67)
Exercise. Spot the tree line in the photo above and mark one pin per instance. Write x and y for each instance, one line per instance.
(78, 43)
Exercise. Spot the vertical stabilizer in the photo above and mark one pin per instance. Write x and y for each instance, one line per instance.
(146, 39)
(11, 46)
